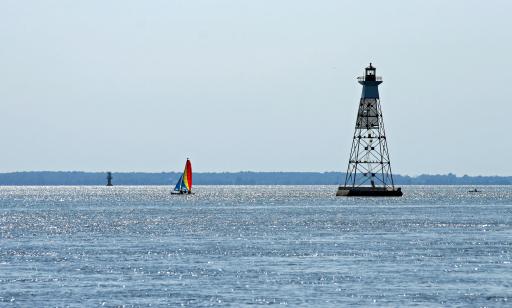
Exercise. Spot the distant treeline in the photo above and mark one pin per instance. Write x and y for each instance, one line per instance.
(230, 178)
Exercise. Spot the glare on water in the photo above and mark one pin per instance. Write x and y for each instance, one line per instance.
(242, 245)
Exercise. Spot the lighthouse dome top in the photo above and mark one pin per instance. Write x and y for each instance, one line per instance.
(370, 74)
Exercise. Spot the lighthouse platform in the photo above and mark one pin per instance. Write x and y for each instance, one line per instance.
(368, 192)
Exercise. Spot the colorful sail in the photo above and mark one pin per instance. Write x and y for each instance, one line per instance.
(187, 176)
(184, 184)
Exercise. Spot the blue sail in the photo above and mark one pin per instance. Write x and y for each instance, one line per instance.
(179, 184)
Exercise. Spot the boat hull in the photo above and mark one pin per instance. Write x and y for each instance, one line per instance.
(181, 193)
(368, 192)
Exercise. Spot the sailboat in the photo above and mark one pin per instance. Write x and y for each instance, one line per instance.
(184, 185)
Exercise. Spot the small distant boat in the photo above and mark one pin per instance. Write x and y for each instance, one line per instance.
(474, 190)
(184, 185)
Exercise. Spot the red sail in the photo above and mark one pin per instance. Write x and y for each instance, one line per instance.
(188, 170)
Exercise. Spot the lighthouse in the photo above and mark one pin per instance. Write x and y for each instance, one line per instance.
(369, 167)
(109, 179)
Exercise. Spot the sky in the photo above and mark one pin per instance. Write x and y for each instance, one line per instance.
(252, 85)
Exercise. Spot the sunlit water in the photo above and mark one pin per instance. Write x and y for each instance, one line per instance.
(242, 245)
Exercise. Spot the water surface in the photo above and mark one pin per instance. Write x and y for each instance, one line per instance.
(243, 245)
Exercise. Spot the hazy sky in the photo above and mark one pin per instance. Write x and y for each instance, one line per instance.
(252, 85)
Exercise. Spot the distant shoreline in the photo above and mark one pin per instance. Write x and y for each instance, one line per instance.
(41, 178)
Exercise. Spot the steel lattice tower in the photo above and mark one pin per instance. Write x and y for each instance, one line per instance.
(369, 167)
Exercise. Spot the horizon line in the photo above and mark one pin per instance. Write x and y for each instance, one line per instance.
(243, 171)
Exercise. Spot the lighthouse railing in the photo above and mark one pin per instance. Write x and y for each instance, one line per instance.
(362, 78)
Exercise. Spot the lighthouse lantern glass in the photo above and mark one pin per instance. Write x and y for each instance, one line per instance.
(370, 74)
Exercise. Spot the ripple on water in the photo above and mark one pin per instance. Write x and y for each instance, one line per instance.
(237, 245)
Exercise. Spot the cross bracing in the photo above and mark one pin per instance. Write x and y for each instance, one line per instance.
(369, 163)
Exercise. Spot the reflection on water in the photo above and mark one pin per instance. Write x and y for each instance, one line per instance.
(237, 245)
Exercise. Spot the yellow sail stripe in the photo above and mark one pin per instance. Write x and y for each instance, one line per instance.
(185, 179)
